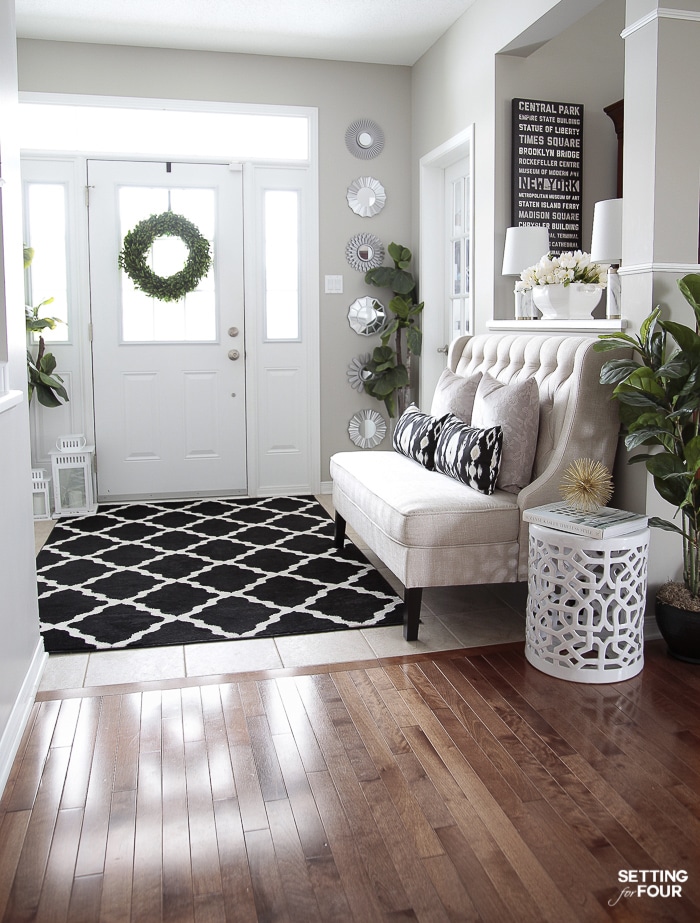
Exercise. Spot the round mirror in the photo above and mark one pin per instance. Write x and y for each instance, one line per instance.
(366, 316)
(364, 139)
(364, 251)
(358, 373)
(367, 429)
(366, 196)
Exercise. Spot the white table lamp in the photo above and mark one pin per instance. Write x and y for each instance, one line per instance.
(606, 248)
(524, 247)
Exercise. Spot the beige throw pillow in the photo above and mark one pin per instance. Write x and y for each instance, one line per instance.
(516, 408)
(455, 394)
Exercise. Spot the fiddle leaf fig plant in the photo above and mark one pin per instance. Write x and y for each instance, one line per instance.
(659, 393)
(390, 372)
(41, 379)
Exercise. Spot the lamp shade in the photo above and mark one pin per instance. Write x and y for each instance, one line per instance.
(606, 242)
(524, 247)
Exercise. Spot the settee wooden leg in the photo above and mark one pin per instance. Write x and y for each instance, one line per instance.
(411, 612)
(339, 536)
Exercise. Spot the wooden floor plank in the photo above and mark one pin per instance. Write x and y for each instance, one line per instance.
(312, 835)
(237, 887)
(24, 896)
(300, 726)
(55, 897)
(439, 787)
(219, 758)
(204, 850)
(178, 891)
(93, 841)
(270, 899)
(147, 899)
(117, 884)
(80, 767)
(291, 862)
(13, 830)
(27, 777)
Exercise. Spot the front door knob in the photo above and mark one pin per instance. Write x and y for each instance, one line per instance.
(233, 331)
(233, 354)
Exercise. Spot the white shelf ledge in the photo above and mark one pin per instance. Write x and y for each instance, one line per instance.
(592, 327)
(9, 399)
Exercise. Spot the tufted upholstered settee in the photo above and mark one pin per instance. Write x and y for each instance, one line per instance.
(432, 530)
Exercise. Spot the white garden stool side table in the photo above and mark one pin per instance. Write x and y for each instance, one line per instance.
(585, 605)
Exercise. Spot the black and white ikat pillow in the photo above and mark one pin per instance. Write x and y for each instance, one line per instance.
(416, 435)
(470, 455)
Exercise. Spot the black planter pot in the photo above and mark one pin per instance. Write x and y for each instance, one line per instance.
(680, 629)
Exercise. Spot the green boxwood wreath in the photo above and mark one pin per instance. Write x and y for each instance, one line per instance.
(138, 242)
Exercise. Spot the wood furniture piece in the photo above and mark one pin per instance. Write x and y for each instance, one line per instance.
(585, 605)
(431, 530)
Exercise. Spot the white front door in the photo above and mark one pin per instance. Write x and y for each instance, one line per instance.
(169, 377)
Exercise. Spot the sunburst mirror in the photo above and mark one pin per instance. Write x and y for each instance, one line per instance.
(364, 139)
(367, 428)
(364, 251)
(366, 196)
(358, 373)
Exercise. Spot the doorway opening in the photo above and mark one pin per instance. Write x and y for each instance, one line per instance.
(267, 159)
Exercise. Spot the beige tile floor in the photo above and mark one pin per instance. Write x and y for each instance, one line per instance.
(451, 618)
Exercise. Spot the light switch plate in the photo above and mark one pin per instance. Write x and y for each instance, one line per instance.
(334, 285)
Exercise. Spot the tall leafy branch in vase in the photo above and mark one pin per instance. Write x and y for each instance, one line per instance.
(41, 379)
(390, 372)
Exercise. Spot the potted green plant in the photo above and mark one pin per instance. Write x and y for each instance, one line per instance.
(389, 371)
(41, 379)
(658, 389)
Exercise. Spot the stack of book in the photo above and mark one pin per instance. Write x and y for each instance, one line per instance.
(605, 522)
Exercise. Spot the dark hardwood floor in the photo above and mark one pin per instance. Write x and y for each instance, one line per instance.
(457, 786)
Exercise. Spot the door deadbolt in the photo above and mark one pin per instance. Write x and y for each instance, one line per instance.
(233, 331)
(233, 354)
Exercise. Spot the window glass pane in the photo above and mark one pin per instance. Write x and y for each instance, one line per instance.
(456, 267)
(458, 207)
(178, 133)
(193, 318)
(281, 222)
(48, 275)
(456, 318)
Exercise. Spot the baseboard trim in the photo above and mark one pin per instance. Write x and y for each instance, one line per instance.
(12, 735)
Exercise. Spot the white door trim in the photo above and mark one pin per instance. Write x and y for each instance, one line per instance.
(432, 260)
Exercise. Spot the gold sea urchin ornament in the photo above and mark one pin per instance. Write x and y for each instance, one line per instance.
(586, 485)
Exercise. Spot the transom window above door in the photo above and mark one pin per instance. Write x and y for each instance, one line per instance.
(112, 125)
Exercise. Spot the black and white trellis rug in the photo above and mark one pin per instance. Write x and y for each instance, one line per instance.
(178, 572)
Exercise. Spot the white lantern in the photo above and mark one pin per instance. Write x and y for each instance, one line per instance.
(41, 498)
(72, 464)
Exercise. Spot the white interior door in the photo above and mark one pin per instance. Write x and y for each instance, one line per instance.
(169, 377)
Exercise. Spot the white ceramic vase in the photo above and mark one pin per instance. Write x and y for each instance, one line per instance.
(575, 301)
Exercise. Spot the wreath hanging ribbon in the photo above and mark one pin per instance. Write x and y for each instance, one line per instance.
(138, 242)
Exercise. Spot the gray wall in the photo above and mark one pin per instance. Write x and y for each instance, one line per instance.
(342, 92)
(464, 78)
(19, 624)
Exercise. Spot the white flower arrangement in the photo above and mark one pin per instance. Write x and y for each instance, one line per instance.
(562, 270)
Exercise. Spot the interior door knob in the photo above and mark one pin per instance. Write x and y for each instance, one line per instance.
(442, 349)
(233, 354)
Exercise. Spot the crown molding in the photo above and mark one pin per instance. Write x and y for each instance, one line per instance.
(687, 15)
(677, 268)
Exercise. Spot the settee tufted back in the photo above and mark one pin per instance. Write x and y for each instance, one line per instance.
(577, 417)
